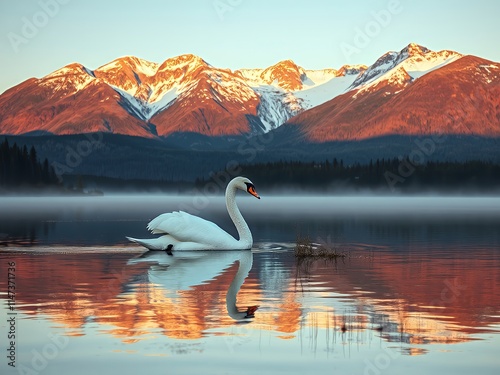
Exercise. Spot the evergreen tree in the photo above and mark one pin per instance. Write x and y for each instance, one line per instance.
(20, 167)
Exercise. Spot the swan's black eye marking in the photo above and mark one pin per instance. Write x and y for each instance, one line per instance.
(251, 190)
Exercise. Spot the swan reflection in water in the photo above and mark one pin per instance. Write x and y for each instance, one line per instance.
(183, 271)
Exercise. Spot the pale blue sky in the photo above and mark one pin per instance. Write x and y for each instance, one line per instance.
(235, 33)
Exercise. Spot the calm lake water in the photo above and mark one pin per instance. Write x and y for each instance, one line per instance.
(418, 293)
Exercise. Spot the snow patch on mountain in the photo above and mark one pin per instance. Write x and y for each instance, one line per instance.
(417, 69)
(164, 102)
(318, 77)
(133, 105)
(489, 73)
(252, 76)
(316, 95)
(276, 106)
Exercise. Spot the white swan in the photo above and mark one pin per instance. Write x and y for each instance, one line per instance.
(182, 231)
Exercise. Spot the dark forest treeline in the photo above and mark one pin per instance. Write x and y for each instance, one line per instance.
(21, 168)
(377, 175)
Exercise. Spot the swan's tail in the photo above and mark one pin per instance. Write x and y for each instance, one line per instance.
(160, 243)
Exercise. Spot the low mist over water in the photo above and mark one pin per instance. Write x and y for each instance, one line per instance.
(106, 220)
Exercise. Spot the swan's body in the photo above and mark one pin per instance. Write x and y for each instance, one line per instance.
(183, 232)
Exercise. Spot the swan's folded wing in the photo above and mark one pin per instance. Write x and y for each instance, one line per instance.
(187, 227)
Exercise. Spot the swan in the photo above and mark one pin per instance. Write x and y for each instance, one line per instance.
(184, 232)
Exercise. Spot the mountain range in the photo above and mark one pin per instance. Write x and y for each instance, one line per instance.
(135, 97)
(412, 91)
(355, 111)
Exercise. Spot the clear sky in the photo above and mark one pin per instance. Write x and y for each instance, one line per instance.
(40, 36)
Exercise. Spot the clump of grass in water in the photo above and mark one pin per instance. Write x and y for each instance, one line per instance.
(305, 248)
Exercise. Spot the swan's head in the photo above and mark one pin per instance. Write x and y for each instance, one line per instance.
(245, 184)
(243, 316)
(250, 313)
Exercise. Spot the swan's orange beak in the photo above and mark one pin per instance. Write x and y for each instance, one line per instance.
(251, 190)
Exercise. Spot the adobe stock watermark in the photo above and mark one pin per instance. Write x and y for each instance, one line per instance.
(40, 359)
(364, 35)
(30, 26)
(75, 156)
(417, 157)
(116, 282)
(449, 294)
(381, 362)
(238, 338)
(223, 6)
(451, 291)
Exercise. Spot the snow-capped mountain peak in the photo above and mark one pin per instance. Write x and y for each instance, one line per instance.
(70, 69)
(414, 49)
(68, 79)
(351, 70)
(185, 63)
(415, 59)
(285, 74)
(128, 74)
(140, 66)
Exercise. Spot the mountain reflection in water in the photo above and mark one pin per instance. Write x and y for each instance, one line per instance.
(413, 297)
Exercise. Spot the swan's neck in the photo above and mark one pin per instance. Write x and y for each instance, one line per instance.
(235, 214)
